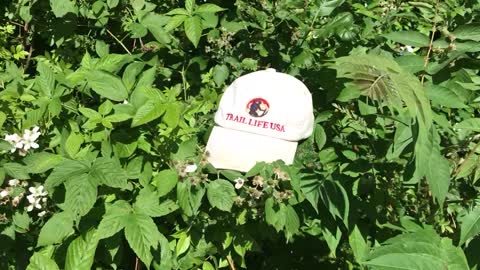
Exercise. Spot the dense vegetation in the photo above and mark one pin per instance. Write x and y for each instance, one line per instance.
(106, 107)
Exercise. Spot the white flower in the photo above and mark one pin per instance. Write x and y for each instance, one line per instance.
(239, 183)
(29, 138)
(41, 214)
(16, 200)
(13, 182)
(35, 203)
(190, 168)
(409, 48)
(4, 193)
(15, 141)
(37, 191)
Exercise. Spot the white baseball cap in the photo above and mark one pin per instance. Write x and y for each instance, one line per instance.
(261, 117)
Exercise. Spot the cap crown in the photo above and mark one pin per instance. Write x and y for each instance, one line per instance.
(268, 103)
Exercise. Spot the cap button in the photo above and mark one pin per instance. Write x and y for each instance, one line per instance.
(270, 70)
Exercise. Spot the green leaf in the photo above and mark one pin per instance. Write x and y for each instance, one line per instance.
(274, 214)
(73, 143)
(412, 38)
(470, 225)
(101, 48)
(220, 194)
(147, 202)
(175, 22)
(3, 117)
(208, 8)
(80, 194)
(142, 234)
(64, 171)
(112, 63)
(130, 73)
(42, 162)
(183, 244)
(118, 117)
(467, 32)
(189, 4)
(165, 182)
(61, 7)
(107, 85)
(422, 250)
(147, 78)
(21, 222)
(114, 220)
(46, 80)
(81, 252)
(326, 7)
(472, 124)
(220, 74)
(320, 136)
(38, 261)
(348, 93)
(89, 113)
(154, 23)
(445, 97)
(16, 170)
(193, 29)
(358, 245)
(109, 172)
(57, 228)
(172, 115)
(105, 108)
(147, 113)
(411, 63)
(292, 222)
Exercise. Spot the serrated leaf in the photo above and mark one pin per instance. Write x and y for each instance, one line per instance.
(220, 74)
(21, 222)
(470, 225)
(142, 234)
(89, 113)
(107, 85)
(358, 245)
(114, 220)
(147, 202)
(105, 108)
(292, 222)
(467, 32)
(3, 117)
(81, 252)
(16, 170)
(154, 23)
(147, 78)
(220, 194)
(472, 124)
(109, 172)
(326, 7)
(175, 22)
(64, 171)
(38, 261)
(112, 62)
(42, 162)
(320, 136)
(73, 143)
(147, 113)
(411, 63)
(183, 244)
(101, 48)
(193, 29)
(445, 97)
(130, 74)
(46, 80)
(61, 7)
(165, 182)
(412, 38)
(208, 8)
(57, 228)
(80, 194)
(189, 4)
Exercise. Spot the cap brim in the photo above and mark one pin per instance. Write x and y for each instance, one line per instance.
(238, 150)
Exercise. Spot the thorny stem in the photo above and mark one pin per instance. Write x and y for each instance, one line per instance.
(430, 46)
(119, 42)
(137, 265)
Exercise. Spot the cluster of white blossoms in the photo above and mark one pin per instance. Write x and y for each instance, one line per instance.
(36, 199)
(25, 142)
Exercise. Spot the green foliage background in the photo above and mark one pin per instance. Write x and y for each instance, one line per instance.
(124, 91)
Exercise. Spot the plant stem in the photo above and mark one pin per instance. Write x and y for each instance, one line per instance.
(230, 262)
(119, 42)
(459, 168)
(430, 46)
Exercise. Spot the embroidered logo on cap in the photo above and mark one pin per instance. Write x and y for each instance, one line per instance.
(258, 107)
